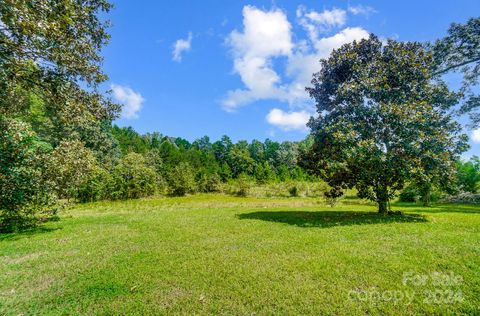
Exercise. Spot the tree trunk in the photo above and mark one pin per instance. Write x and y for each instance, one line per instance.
(382, 200)
(426, 198)
(426, 194)
(382, 207)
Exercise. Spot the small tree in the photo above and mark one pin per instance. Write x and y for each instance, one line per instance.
(264, 173)
(382, 120)
(70, 165)
(25, 191)
(95, 187)
(469, 175)
(244, 184)
(181, 179)
(133, 179)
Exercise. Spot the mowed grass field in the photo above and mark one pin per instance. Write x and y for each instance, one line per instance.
(213, 254)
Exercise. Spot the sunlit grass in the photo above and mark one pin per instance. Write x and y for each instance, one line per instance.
(210, 254)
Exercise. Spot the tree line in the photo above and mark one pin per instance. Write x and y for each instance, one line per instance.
(385, 121)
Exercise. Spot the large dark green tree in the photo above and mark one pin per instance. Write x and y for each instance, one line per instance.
(382, 120)
(459, 51)
(50, 70)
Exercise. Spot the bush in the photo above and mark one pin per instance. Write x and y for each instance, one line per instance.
(96, 187)
(70, 165)
(293, 191)
(133, 179)
(412, 193)
(409, 194)
(26, 192)
(209, 183)
(243, 185)
(181, 180)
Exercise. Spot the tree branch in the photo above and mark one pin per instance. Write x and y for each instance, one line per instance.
(440, 72)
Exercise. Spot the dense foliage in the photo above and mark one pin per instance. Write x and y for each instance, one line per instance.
(182, 167)
(24, 186)
(51, 111)
(469, 175)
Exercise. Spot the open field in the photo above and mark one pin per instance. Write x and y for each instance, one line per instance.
(210, 254)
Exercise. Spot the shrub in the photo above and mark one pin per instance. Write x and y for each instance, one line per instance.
(209, 183)
(96, 187)
(70, 165)
(243, 185)
(181, 180)
(293, 191)
(468, 175)
(132, 178)
(25, 190)
(409, 194)
(412, 193)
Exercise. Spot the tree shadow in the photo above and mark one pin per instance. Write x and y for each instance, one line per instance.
(325, 219)
(26, 233)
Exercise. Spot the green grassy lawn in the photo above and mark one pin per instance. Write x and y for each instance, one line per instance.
(209, 254)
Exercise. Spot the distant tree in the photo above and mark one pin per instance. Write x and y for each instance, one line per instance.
(153, 139)
(264, 173)
(169, 153)
(271, 149)
(225, 172)
(95, 187)
(459, 51)
(257, 151)
(182, 143)
(240, 160)
(381, 119)
(154, 160)
(221, 149)
(129, 140)
(209, 182)
(244, 184)
(287, 154)
(203, 144)
(469, 175)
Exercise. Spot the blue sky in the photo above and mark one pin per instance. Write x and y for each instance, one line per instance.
(194, 68)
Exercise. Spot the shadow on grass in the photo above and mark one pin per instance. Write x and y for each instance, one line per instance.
(26, 233)
(326, 219)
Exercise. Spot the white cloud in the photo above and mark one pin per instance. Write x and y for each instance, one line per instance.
(265, 35)
(476, 136)
(265, 41)
(181, 46)
(326, 45)
(362, 10)
(288, 121)
(132, 101)
(314, 22)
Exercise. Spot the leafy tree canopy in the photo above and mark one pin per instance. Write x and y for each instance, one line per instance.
(382, 120)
